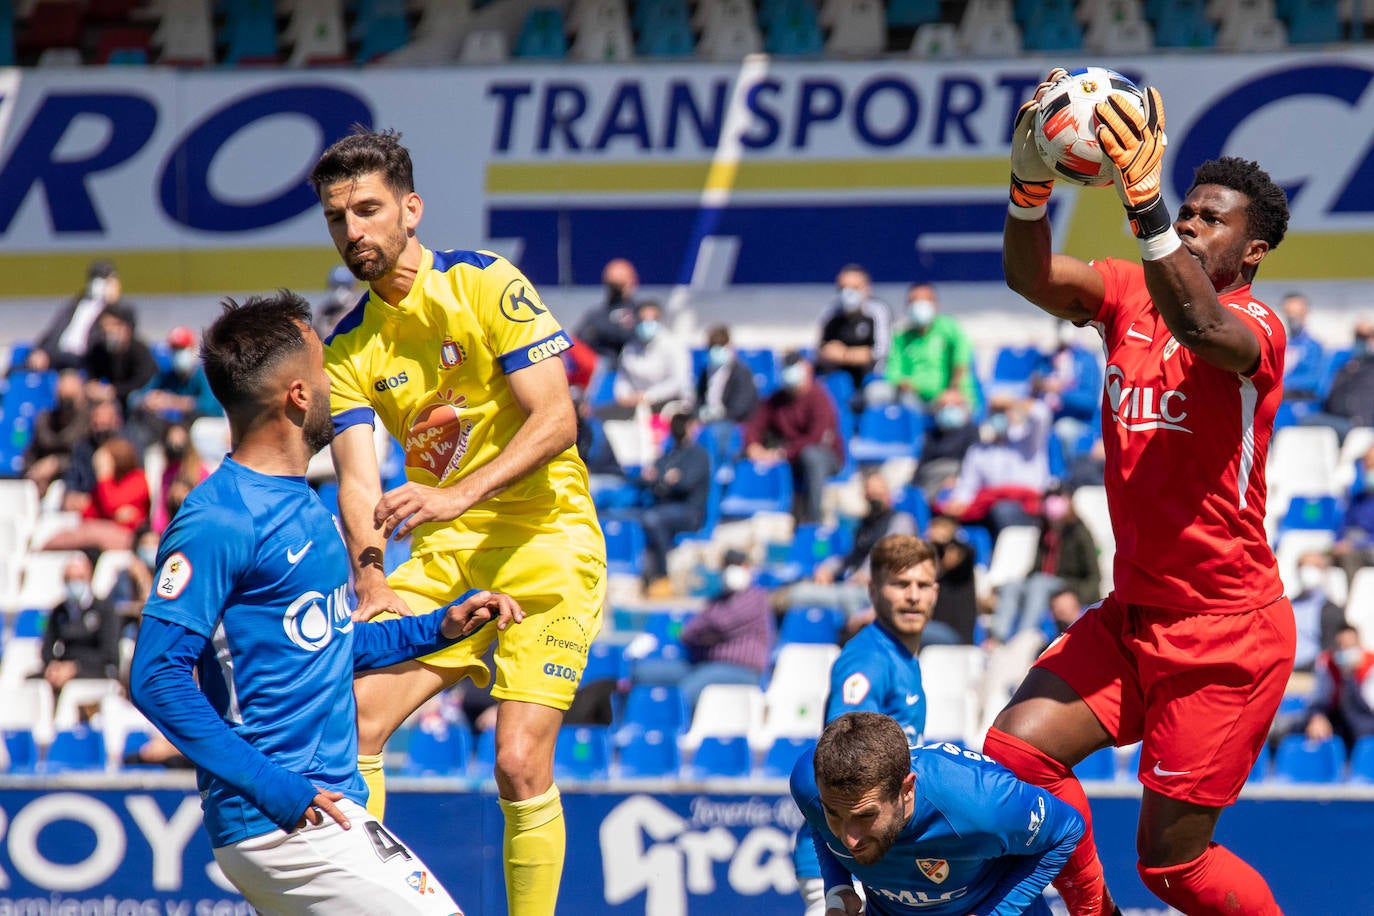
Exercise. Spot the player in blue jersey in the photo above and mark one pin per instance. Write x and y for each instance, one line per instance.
(252, 599)
(878, 670)
(938, 831)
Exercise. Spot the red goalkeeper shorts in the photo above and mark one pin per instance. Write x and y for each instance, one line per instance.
(1199, 691)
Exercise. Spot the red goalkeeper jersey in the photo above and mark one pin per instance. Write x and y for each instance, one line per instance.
(1186, 444)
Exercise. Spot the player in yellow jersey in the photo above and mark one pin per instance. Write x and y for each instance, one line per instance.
(457, 356)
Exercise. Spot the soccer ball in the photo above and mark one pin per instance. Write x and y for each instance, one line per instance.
(1066, 125)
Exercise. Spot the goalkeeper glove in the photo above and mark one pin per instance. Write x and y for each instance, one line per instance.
(1135, 142)
(1031, 179)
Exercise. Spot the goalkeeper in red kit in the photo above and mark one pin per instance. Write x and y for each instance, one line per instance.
(1191, 652)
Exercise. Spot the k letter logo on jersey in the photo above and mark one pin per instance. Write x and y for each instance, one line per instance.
(519, 302)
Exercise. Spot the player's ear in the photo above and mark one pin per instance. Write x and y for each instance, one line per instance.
(1255, 250)
(413, 208)
(297, 396)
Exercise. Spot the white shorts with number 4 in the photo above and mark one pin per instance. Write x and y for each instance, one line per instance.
(326, 869)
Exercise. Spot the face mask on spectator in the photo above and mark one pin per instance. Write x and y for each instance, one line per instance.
(794, 375)
(718, 356)
(148, 555)
(1349, 659)
(1369, 480)
(995, 427)
(922, 312)
(76, 590)
(851, 298)
(1311, 578)
(1056, 507)
(184, 361)
(1361, 347)
(951, 416)
(647, 330)
(736, 578)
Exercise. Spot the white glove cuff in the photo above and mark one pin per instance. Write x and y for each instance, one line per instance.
(1029, 214)
(834, 900)
(1158, 247)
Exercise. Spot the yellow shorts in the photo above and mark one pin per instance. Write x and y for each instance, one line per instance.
(539, 660)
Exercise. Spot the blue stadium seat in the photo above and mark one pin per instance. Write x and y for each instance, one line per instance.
(1097, 765)
(757, 488)
(1184, 24)
(811, 624)
(1300, 760)
(979, 540)
(602, 390)
(22, 750)
(666, 39)
(483, 754)
(1362, 760)
(783, 755)
(719, 756)
(909, 14)
(542, 34)
(1314, 22)
(328, 492)
(797, 559)
(651, 13)
(383, 33)
(30, 622)
(605, 660)
(913, 500)
(6, 36)
(887, 431)
(1012, 366)
(80, 748)
(1311, 513)
(652, 707)
(649, 755)
(132, 742)
(582, 752)
(765, 366)
(624, 545)
(1259, 770)
(1026, 11)
(249, 32)
(1053, 33)
(28, 393)
(437, 752)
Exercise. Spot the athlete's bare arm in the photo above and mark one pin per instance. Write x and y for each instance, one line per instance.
(360, 487)
(1061, 285)
(550, 426)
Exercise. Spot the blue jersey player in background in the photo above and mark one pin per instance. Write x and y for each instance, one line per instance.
(937, 831)
(878, 671)
(252, 599)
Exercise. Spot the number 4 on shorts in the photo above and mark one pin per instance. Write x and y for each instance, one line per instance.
(386, 845)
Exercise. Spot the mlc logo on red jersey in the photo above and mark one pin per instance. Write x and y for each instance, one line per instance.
(1140, 408)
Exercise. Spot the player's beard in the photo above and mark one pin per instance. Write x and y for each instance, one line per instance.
(386, 252)
(318, 428)
(882, 842)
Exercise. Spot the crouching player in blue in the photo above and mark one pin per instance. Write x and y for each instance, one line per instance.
(251, 597)
(878, 670)
(937, 830)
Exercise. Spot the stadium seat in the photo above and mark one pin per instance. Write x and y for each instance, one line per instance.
(913, 500)
(7, 60)
(542, 35)
(80, 748)
(1134, 36)
(1314, 22)
(1259, 770)
(483, 758)
(625, 545)
(1362, 760)
(20, 751)
(650, 755)
(912, 13)
(979, 540)
(582, 752)
(316, 34)
(796, 693)
(603, 43)
(29, 623)
(250, 32)
(793, 39)
(605, 660)
(720, 756)
(125, 729)
(725, 710)
(1302, 761)
(1053, 33)
(78, 695)
(950, 675)
(27, 710)
(811, 625)
(1359, 440)
(783, 755)
(756, 488)
(859, 30)
(484, 46)
(667, 39)
(764, 364)
(41, 587)
(115, 39)
(1311, 513)
(441, 751)
(1303, 459)
(936, 41)
(51, 24)
(652, 707)
(887, 431)
(1099, 765)
(1013, 555)
(650, 14)
(1359, 605)
(797, 559)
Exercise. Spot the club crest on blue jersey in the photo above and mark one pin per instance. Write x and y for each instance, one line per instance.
(312, 619)
(937, 870)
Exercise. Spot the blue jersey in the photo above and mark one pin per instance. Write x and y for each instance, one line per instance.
(876, 673)
(979, 840)
(254, 568)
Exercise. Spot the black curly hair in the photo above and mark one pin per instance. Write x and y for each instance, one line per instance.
(1267, 214)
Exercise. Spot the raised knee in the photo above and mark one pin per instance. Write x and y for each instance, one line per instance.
(372, 735)
(523, 769)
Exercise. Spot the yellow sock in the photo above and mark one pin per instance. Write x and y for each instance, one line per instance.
(370, 765)
(533, 851)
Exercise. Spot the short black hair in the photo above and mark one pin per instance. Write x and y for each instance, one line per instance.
(361, 153)
(1267, 215)
(247, 342)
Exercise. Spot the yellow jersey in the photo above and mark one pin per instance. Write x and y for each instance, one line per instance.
(433, 368)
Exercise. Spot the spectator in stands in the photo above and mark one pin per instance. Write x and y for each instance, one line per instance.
(56, 432)
(104, 420)
(1065, 557)
(931, 360)
(855, 330)
(183, 468)
(603, 468)
(1069, 381)
(1003, 475)
(655, 367)
(1350, 402)
(82, 635)
(117, 357)
(1304, 359)
(607, 328)
(797, 424)
(726, 393)
(678, 484)
(948, 439)
(957, 606)
(1007, 661)
(1354, 548)
(842, 581)
(67, 338)
(729, 642)
(134, 583)
(339, 299)
(121, 491)
(1342, 702)
(178, 394)
(1318, 618)
(1065, 608)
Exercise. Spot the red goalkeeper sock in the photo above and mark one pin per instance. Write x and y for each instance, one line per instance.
(1081, 882)
(1216, 882)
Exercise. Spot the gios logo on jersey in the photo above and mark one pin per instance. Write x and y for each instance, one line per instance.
(1137, 408)
(546, 348)
(312, 619)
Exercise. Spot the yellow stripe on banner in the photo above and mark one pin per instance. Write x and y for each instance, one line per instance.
(215, 271)
(748, 175)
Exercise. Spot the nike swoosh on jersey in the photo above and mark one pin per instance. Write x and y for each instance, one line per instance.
(1162, 772)
(294, 557)
(1132, 332)
(912, 699)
